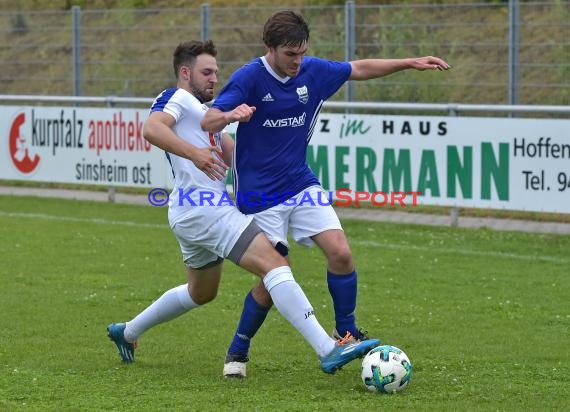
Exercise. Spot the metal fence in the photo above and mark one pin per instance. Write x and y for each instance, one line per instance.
(501, 52)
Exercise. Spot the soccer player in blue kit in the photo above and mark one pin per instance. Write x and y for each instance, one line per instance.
(281, 93)
(208, 234)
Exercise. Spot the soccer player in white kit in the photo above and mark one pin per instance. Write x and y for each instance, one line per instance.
(283, 92)
(208, 227)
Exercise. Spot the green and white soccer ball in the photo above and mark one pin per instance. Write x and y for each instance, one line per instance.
(386, 369)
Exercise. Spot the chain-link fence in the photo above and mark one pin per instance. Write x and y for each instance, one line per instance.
(501, 52)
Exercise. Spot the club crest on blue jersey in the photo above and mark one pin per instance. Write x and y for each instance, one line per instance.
(303, 94)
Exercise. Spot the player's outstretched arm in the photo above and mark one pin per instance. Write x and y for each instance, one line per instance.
(373, 68)
(157, 130)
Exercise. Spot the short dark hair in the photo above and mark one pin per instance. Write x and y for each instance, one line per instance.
(186, 53)
(285, 28)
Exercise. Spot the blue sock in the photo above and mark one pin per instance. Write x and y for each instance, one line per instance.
(343, 292)
(252, 317)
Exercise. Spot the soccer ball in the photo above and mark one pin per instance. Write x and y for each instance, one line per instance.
(386, 368)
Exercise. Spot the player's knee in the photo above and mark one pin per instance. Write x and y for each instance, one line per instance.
(272, 257)
(275, 260)
(204, 296)
(341, 256)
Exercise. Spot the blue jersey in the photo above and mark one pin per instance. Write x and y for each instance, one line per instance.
(270, 163)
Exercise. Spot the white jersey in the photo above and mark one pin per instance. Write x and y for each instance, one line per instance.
(192, 188)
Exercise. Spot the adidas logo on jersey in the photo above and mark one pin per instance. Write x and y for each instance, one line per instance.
(267, 98)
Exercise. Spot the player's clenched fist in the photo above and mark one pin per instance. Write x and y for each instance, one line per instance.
(242, 113)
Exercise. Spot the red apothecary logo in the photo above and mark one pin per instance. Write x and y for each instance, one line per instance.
(19, 147)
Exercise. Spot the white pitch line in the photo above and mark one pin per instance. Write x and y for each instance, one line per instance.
(43, 216)
(464, 252)
(391, 246)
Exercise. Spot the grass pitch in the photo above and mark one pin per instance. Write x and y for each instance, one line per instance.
(484, 317)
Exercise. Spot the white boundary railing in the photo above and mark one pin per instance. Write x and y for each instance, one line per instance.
(451, 108)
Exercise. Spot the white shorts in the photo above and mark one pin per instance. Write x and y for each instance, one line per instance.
(209, 233)
(306, 214)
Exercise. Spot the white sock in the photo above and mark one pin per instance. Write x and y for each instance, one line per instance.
(170, 305)
(291, 302)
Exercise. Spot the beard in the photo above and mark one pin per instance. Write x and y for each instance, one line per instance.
(203, 95)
